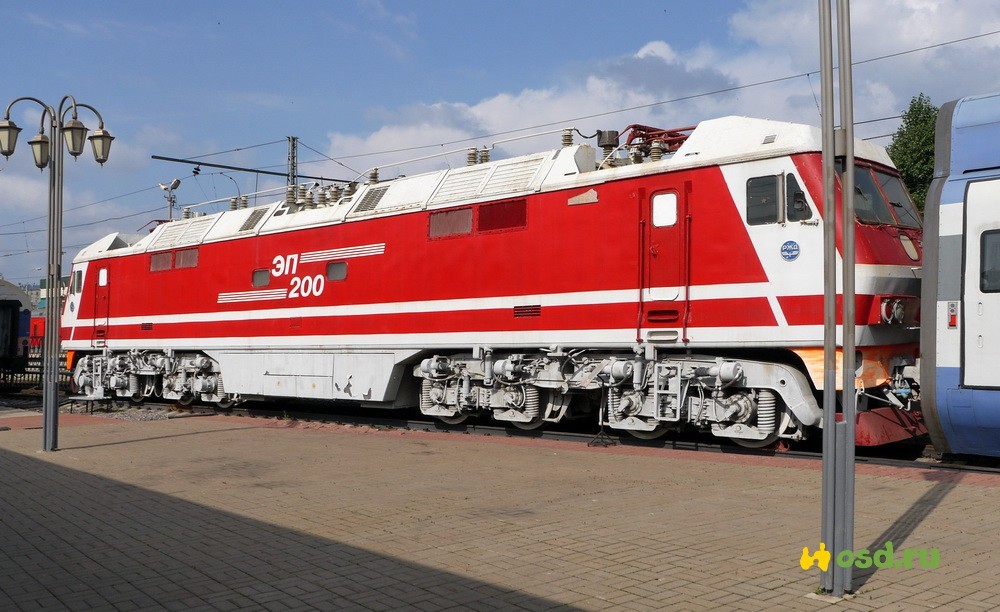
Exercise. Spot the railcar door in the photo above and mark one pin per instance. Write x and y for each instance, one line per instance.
(663, 262)
(981, 286)
(102, 307)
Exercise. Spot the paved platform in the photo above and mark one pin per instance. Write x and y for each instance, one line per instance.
(242, 513)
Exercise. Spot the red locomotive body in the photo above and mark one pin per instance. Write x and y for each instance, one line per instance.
(678, 286)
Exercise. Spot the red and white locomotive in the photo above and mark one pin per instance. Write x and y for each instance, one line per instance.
(674, 280)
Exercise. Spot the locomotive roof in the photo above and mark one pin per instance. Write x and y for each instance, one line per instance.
(11, 292)
(726, 140)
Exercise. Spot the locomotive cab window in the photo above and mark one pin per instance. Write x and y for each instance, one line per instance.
(261, 278)
(766, 203)
(762, 200)
(76, 284)
(664, 209)
(796, 207)
(880, 198)
(989, 281)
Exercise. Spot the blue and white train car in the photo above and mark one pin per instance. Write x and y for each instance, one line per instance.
(960, 327)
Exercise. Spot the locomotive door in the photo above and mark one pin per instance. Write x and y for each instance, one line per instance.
(102, 306)
(981, 285)
(663, 261)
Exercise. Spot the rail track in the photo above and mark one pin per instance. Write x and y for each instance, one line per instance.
(917, 454)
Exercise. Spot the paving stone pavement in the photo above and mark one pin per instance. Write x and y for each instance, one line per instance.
(238, 513)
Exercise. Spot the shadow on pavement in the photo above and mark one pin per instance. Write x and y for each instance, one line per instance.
(904, 526)
(69, 539)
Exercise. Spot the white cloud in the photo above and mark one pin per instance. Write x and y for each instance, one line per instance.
(659, 49)
(770, 39)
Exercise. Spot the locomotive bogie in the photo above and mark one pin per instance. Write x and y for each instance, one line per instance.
(738, 399)
(732, 398)
(136, 375)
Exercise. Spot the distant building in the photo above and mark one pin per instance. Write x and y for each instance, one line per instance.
(43, 291)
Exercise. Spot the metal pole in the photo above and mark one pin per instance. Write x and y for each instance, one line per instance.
(849, 402)
(53, 277)
(829, 287)
(53, 301)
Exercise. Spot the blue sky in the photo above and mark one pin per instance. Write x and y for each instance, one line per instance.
(353, 79)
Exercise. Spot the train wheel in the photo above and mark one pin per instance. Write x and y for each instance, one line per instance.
(783, 427)
(648, 435)
(458, 419)
(137, 398)
(530, 406)
(768, 441)
(225, 404)
(528, 425)
(186, 400)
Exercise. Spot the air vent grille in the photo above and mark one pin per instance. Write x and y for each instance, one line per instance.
(372, 198)
(253, 219)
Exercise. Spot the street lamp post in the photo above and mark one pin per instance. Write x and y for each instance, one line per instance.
(72, 129)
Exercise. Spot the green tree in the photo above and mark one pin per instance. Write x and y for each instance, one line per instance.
(912, 147)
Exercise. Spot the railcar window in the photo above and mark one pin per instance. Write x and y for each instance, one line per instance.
(990, 262)
(502, 216)
(336, 270)
(762, 200)
(188, 258)
(76, 285)
(450, 223)
(261, 278)
(664, 209)
(796, 207)
(160, 261)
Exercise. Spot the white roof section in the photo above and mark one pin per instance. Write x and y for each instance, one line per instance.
(714, 142)
(734, 139)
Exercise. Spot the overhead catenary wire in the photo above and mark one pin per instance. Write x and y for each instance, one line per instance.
(720, 91)
(237, 149)
(538, 126)
(68, 209)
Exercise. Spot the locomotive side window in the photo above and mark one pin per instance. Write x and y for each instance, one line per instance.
(188, 258)
(160, 261)
(762, 200)
(450, 223)
(502, 216)
(261, 278)
(796, 208)
(102, 277)
(664, 209)
(336, 270)
(989, 281)
(76, 284)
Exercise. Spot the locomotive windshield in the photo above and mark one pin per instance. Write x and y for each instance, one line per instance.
(881, 199)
